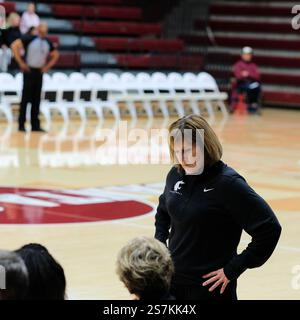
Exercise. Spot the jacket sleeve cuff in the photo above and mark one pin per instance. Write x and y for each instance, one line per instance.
(231, 273)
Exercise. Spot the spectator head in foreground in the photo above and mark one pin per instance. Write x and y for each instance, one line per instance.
(13, 276)
(145, 267)
(46, 276)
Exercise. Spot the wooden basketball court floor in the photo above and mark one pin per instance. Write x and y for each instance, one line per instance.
(266, 150)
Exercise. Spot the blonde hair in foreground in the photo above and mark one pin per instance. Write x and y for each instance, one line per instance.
(145, 266)
(212, 147)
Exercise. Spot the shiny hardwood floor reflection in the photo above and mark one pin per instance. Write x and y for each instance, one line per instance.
(70, 191)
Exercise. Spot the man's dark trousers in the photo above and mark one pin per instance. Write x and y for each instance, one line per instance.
(32, 87)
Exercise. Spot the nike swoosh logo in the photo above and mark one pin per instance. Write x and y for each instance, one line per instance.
(206, 190)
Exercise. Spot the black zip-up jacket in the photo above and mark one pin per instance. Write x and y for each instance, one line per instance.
(203, 216)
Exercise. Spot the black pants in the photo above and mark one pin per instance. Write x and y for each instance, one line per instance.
(32, 87)
(198, 292)
(252, 90)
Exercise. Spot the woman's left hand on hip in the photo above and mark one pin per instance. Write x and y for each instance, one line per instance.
(217, 278)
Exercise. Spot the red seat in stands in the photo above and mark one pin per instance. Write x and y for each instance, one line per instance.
(136, 44)
(121, 13)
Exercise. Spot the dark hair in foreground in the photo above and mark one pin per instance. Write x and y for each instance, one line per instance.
(46, 276)
(14, 275)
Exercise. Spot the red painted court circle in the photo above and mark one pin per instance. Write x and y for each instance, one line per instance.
(41, 206)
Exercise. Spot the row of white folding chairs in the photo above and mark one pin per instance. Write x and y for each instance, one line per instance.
(58, 84)
(140, 88)
(172, 87)
(127, 87)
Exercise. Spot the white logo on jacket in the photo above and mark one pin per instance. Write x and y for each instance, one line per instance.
(178, 185)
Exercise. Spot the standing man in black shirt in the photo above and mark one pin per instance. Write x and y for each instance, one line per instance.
(35, 62)
(204, 209)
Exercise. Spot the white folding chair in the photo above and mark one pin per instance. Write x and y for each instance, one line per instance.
(81, 84)
(9, 85)
(149, 91)
(48, 104)
(19, 78)
(60, 77)
(182, 91)
(166, 92)
(143, 77)
(98, 103)
(93, 77)
(64, 86)
(127, 76)
(116, 92)
(209, 85)
(134, 94)
(189, 77)
(10, 88)
(196, 94)
(77, 76)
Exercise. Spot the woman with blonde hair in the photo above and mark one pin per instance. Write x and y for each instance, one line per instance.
(12, 31)
(201, 215)
(8, 36)
(13, 20)
(145, 267)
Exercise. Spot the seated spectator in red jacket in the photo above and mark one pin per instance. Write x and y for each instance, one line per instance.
(247, 75)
